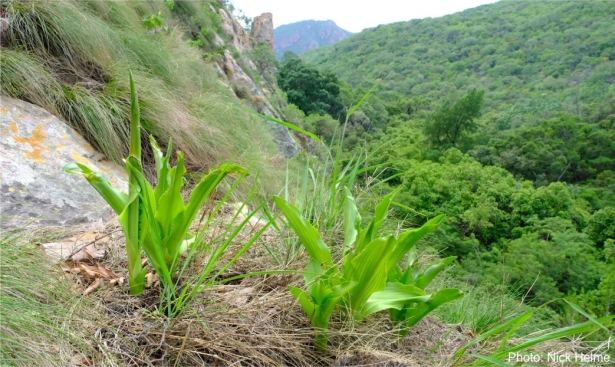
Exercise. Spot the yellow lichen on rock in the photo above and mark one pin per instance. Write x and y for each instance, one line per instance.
(37, 142)
(13, 126)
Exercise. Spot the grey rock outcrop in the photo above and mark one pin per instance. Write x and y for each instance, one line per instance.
(258, 102)
(262, 29)
(34, 147)
(240, 38)
(242, 84)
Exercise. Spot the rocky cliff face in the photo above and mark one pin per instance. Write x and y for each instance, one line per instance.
(262, 29)
(307, 35)
(240, 39)
(231, 69)
(258, 102)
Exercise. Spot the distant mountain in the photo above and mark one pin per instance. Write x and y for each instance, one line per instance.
(306, 35)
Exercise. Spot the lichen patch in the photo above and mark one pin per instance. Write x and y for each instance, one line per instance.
(37, 142)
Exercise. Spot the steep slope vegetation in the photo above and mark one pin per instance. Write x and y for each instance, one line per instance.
(306, 35)
(72, 58)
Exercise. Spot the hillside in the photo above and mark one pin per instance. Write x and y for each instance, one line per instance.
(534, 60)
(528, 54)
(306, 35)
(503, 118)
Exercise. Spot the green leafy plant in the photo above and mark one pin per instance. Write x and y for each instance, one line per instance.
(323, 295)
(361, 284)
(126, 206)
(158, 221)
(155, 22)
(412, 312)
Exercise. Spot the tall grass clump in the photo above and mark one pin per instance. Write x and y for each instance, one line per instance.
(71, 58)
(44, 321)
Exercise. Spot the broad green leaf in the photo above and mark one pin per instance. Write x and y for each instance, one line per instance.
(162, 167)
(135, 121)
(366, 235)
(150, 236)
(395, 275)
(337, 293)
(319, 292)
(117, 199)
(408, 239)
(382, 209)
(342, 289)
(133, 222)
(412, 256)
(432, 271)
(158, 156)
(406, 277)
(369, 271)
(304, 300)
(352, 220)
(186, 244)
(308, 235)
(171, 203)
(313, 270)
(197, 198)
(395, 295)
(422, 309)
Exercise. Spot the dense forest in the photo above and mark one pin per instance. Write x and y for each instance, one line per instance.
(502, 117)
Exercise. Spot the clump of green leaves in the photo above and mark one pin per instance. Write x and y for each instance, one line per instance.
(155, 22)
(370, 279)
(126, 206)
(158, 221)
(412, 312)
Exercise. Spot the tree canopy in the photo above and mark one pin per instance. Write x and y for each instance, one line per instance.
(309, 89)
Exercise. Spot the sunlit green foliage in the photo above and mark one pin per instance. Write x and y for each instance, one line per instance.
(558, 54)
(507, 230)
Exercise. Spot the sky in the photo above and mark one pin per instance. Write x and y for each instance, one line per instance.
(353, 15)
